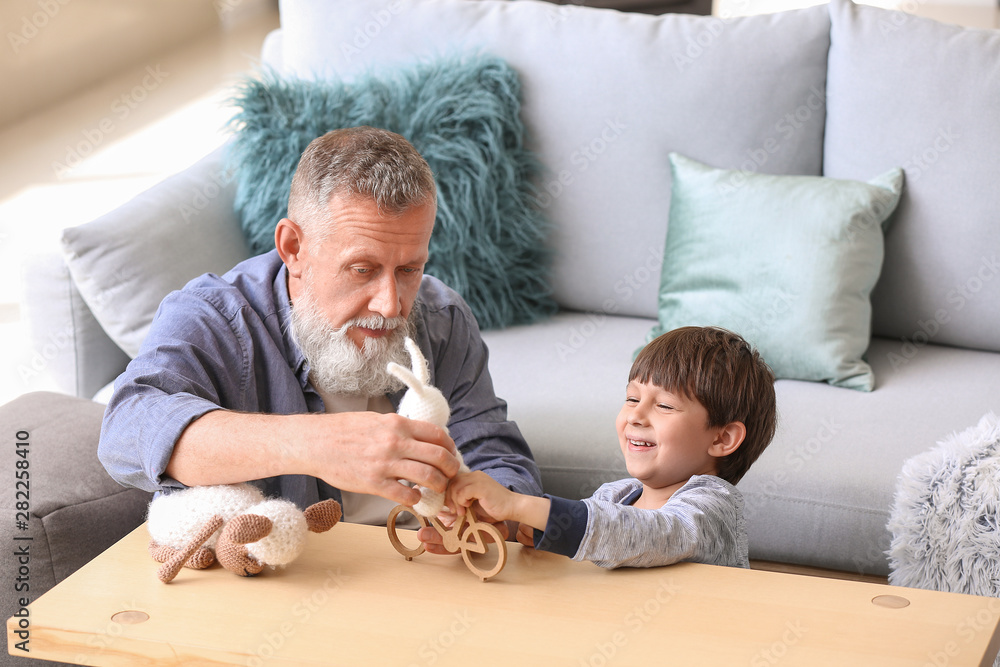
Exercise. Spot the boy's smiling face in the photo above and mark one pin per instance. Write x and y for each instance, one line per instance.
(665, 436)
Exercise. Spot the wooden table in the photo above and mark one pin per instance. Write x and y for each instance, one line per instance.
(350, 599)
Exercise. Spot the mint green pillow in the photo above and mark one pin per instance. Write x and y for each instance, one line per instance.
(788, 262)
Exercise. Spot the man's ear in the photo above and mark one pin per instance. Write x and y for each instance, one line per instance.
(288, 240)
(728, 439)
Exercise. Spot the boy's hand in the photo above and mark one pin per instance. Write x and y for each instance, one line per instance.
(499, 502)
(431, 538)
(494, 499)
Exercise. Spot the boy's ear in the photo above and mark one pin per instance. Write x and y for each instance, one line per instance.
(728, 439)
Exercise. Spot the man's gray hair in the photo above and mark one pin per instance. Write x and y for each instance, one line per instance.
(358, 161)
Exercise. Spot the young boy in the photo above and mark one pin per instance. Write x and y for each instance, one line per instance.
(699, 409)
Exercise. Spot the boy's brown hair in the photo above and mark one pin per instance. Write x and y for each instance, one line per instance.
(726, 375)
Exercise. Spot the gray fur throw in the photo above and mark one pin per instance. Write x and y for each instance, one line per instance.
(945, 521)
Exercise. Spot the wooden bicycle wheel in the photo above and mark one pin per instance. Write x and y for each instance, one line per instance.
(390, 526)
(477, 552)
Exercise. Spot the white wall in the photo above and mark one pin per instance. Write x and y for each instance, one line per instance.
(54, 48)
(971, 13)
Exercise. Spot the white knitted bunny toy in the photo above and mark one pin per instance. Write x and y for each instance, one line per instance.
(424, 402)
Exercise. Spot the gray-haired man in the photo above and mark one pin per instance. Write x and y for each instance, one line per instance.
(275, 372)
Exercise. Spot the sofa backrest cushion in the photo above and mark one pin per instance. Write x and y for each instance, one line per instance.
(127, 260)
(607, 96)
(909, 91)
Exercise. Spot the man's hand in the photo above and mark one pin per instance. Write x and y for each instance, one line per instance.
(371, 453)
(526, 535)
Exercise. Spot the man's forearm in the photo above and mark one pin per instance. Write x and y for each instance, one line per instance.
(224, 447)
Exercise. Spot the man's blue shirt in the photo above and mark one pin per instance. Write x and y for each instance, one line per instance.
(224, 343)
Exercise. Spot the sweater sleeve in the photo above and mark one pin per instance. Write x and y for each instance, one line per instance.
(565, 528)
(702, 522)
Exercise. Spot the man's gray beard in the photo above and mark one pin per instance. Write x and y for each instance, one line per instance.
(337, 365)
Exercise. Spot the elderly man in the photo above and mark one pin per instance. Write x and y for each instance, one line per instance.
(276, 372)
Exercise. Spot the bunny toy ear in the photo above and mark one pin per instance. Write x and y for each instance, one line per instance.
(405, 376)
(416, 379)
(417, 361)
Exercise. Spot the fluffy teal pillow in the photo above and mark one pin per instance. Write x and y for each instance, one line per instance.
(463, 115)
(788, 262)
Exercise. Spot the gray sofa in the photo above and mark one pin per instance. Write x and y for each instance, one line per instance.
(844, 92)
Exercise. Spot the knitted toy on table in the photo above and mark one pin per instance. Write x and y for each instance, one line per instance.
(424, 402)
(234, 524)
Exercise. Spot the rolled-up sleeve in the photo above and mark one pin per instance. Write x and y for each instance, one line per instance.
(192, 362)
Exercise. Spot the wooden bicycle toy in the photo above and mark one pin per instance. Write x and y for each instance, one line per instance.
(467, 534)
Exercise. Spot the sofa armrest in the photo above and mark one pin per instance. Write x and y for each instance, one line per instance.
(69, 350)
(75, 510)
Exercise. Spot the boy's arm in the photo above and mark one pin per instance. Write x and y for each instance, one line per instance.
(703, 522)
(531, 510)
